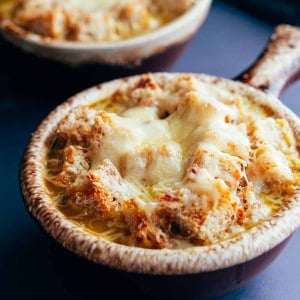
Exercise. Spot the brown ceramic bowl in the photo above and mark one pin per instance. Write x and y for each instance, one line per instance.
(127, 52)
(94, 62)
(209, 270)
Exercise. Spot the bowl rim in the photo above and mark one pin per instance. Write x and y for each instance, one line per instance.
(200, 7)
(236, 250)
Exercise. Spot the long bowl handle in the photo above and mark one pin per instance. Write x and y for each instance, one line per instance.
(279, 63)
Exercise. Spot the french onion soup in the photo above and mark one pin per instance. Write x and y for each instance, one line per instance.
(92, 20)
(171, 161)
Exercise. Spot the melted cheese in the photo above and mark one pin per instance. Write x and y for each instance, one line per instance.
(190, 157)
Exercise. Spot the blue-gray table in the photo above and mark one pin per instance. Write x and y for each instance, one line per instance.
(32, 266)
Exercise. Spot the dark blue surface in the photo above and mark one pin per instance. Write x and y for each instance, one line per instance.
(32, 265)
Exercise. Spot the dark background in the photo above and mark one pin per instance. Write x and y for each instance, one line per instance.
(272, 11)
(34, 267)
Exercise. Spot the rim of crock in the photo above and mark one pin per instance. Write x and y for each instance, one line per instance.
(233, 251)
(199, 7)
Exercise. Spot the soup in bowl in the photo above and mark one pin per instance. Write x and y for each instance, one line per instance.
(41, 42)
(170, 161)
(166, 173)
(170, 177)
(114, 33)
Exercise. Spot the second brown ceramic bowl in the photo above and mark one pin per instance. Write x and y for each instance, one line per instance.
(83, 64)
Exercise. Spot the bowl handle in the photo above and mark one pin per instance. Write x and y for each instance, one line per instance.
(279, 63)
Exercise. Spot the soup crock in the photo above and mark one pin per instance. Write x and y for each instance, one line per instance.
(206, 271)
